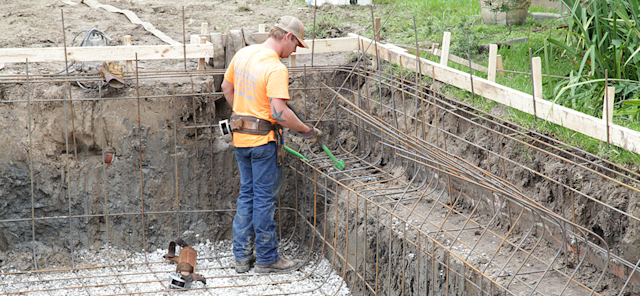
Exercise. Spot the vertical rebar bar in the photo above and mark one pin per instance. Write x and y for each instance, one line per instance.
(175, 160)
(606, 101)
(144, 236)
(104, 169)
(473, 94)
(33, 211)
(66, 63)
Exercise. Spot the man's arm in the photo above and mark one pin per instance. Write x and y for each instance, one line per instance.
(285, 117)
(227, 89)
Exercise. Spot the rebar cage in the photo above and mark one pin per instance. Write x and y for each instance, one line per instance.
(427, 203)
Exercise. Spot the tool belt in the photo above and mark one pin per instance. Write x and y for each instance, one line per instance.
(186, 264)
(256, 126)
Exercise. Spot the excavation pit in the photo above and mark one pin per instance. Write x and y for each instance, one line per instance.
(436, 197)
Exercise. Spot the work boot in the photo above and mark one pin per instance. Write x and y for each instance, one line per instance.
(282, 265)
(245, 265)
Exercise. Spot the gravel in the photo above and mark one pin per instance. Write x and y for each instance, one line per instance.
(124, 273)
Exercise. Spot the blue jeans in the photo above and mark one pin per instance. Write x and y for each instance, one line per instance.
(260, 179)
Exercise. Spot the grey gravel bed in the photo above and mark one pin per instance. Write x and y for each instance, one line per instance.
(131, 273)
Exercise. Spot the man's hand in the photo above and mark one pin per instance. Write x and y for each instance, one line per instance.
(313, 135)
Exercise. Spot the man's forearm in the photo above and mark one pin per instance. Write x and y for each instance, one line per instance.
(285, 116)
(289, 120)
(229, 98)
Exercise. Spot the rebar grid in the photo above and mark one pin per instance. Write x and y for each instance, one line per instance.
(407, 216)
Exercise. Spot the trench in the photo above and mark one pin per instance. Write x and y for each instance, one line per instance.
(436, 197)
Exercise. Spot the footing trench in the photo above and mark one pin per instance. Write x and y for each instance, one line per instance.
(436, 197)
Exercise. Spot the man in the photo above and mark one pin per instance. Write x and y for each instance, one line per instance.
(256, 85)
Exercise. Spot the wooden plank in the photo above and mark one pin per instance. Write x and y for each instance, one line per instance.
(607, 107)
(204, 32)
(204, 28)
(148, 52)
(101, 53)
(262, 37)
(292, 61)
(493, 61)
(536, 70)
(194, 39)
(499, 65)
(127, 42)
(330, 45)
(455, 59)
(201, 61)
(568, 118)
(624, 137)
(464, 62)
(262, 28)
(446, 42)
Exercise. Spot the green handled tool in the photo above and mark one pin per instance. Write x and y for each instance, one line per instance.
(295, 153)
(338, 164)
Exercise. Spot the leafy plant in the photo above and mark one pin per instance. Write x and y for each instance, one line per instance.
(602, 39)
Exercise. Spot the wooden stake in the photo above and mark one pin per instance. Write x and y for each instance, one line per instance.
(537, 76)
(446, 42)
(127, 42)
(204, 28)
(204, 32)
(493, 60)
(262, 28)
(607, 107)
(499, 65)
(292, 61)
(201, 61)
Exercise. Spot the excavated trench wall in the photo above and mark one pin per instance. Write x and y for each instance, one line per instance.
(181, 168)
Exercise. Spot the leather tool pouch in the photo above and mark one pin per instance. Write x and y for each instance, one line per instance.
(256, 126)
(250, 125)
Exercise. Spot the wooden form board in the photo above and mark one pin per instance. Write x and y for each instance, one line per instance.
(329, 45)
(568, 118)
(101, 53)
(148, 52)
(452, 58)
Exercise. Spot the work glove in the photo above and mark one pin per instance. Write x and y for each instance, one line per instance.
(313, 136)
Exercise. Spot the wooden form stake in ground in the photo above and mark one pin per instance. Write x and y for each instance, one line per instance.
(607, 107)
(446, 42)
(499, 65)
(204, 32)
(127, 42)
(493, 62)
(574, 120)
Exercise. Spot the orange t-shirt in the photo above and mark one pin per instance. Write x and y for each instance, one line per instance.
(257, 75)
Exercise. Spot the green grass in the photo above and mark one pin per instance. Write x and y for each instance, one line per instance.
(434, 17)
